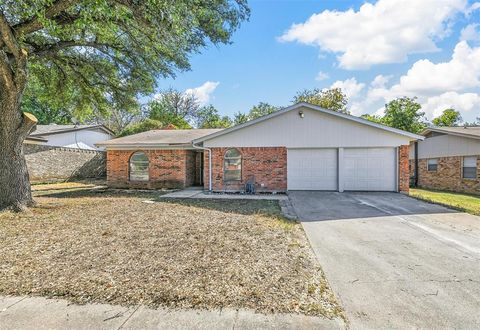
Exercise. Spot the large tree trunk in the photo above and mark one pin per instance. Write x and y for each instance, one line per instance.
(15, 192)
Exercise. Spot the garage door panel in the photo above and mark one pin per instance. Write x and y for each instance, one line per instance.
(370, 169)
(312, 169)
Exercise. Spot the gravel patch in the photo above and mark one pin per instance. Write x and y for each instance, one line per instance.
(111, 247)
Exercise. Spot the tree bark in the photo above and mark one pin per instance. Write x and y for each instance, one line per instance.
(15, 191)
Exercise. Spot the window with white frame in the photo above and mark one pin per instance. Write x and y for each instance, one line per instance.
(432, 164)
(139, 167)
(232, 165)
(470, 167)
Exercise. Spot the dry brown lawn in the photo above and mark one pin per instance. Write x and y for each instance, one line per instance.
(111, 247)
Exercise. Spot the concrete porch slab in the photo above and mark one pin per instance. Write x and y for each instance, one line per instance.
(198, 192)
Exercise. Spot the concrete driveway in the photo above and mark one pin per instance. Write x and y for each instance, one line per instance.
(394, 261)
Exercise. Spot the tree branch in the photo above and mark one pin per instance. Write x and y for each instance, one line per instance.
(34, 24)
(8, 38)
(47, 50)
(6, 74)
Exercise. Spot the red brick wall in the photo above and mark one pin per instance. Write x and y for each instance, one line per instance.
(448, 175)
(267, 164)
(167, 169)
(403, 169)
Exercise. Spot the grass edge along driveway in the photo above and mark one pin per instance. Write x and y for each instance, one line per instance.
(462, 202)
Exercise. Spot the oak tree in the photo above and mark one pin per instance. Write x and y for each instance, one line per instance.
(91, 54)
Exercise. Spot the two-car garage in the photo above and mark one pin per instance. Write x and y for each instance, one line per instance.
(305, 147)
(339, 169)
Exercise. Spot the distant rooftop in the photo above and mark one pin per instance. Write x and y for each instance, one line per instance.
(165, 137)
(471, 131)
(54, 129)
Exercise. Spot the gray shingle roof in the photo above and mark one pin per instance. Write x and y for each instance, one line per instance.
(160, 137)
(473, 131)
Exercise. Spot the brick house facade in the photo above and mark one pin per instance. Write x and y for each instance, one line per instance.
(266, 166)
(448, 175)
(327, 150)
(447, 148)
(169, 168)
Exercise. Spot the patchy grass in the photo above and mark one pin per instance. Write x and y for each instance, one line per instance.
(96, 245)
(462, 202)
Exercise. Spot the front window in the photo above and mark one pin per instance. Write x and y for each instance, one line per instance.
(470, 167)
(432, 165)
(139, 167)
(232, 165)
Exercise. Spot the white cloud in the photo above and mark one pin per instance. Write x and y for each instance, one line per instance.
(321, 76)
(203, 92)
(384, 32)
(470, 33)
(466, 102)
(438, 86)
(380, 81)
(475, 6)
(461, 72)
(350, 87)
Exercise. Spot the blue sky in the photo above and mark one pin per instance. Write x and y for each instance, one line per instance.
(374, 50)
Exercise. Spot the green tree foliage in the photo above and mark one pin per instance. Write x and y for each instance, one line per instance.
(332, 99)
(257, 111)
(93, 56)
(208, 117)
(240, 118)
(179, 104)
(174, 107)
(45, 113)
(449, 117)
(157, 111)
(142, 126)
(404, 113)
(374, 118)
(261, 109)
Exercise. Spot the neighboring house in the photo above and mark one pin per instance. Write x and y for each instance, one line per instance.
(448, 159)
(302, 147)
(69, 136)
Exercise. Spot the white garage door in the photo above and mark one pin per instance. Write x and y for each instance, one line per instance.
(312, 169)
(369, 169)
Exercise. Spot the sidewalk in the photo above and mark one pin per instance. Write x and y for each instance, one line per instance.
(41, 313)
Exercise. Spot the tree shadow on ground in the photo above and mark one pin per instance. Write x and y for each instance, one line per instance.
(237, 206)
(76, 192)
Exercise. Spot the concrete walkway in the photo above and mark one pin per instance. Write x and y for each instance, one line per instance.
(198, 192)
(40, 313)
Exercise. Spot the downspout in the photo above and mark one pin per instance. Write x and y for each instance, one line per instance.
(209, 164)
(415, 178)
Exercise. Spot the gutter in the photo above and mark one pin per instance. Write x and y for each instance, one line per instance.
(209, 164)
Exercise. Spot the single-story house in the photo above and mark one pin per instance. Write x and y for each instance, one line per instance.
(69, 136)
(447, 159)
(302, 147)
